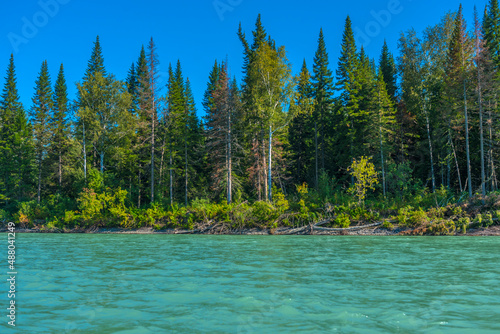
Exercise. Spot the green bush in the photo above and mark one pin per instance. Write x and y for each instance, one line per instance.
(412, 218)
(387, 225)
(342, 221)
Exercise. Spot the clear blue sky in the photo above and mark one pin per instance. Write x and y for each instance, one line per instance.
(195, 32)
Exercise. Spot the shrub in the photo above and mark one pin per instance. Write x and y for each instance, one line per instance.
(387, 225)
(410, 217)
(342, 221)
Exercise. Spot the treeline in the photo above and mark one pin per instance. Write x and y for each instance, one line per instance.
(427, 118)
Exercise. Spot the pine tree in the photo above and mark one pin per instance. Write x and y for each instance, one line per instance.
(349, 88)
(322, 80)
(39, 114)
(459, 58)
(389, 72)
(140, 96)
(16, 145)
(96, 61)
(221, 141)
(491, 29)
(59, 124)
(85, 122)
(303, 132)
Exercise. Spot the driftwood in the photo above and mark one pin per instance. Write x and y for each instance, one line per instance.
(348, 228)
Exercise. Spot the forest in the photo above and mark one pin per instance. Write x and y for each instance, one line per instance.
(410, 135)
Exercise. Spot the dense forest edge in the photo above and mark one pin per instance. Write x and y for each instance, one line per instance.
(404, 145)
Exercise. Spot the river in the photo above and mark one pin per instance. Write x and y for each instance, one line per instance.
(101, 283)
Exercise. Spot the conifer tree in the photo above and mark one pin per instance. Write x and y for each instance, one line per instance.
(303, 132)
(389, 72)
(59, 124)
(322, 92)
(39, 114)
(459, 58)
(16, 145)
(491, 29)
(348, 87)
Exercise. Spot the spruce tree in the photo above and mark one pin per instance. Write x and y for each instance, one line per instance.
(491, 29)
(96, 61)
(389, 72)
(322, 80)
(39, 114)
(16, 144)
(302, 132)
(457, 71)
(59, 124)
(349, 88)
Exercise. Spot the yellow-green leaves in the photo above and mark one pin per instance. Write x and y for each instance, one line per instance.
(365, 176)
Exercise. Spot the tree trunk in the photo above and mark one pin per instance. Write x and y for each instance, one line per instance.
(270, 164)
(316, 152)
(230, 162)
(382, 160)
(430, 147)
(264, 167)
(84, 155)
(469, 177)
(101, 155)
(153, 155)
(139, 188)
(456, 163)
(186, 171)
(60, 170)
(481, 137)
(171, 176)
(39, 178)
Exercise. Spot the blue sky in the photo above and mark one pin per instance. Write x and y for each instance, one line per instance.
(197, 32)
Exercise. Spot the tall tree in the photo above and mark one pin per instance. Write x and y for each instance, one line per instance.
(349, 87)
(303, 132)
(322, 80)
(389, 71)
(39, 114)
(491, 29)
(459, 59)
(59, 123)
(16, 144)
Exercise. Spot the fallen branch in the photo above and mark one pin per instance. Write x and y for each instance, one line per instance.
(347, 228)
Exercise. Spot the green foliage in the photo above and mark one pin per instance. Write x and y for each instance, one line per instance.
(365, 178)
(343, 221)
(387, 225)
(408, 216)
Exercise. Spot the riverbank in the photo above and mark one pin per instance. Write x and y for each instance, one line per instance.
(375, 229)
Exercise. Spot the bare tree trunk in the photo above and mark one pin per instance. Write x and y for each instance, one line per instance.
(171, 176)
(492, 161)
(101, 155)
(270, 164)
(481, 137)
(382, 160)
(153, 156)
(230, 162)
(264, 166)
(469, 177)
(186, 171)
(161, 165)
(60, 170)
(139, 188)
(458, 168)
(84, 155)
(316, 152)
(39, 178)
(430, 147)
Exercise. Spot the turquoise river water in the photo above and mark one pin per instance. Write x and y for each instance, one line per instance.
(254, 284)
